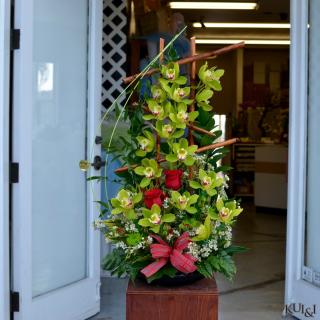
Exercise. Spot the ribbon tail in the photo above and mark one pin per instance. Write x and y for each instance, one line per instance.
(182, 263)
(154, 267)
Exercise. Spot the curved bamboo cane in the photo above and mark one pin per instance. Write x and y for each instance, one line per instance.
(190, 59)
(202, 149)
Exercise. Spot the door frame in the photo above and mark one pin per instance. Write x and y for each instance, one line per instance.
(4, 158)
(22, 241)
(296, 289)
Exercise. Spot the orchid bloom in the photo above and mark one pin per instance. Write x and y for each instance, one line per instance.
(153, 218)
(208, 182)
(182, 152)
(150, 170)
(146, 143)
(124, 203)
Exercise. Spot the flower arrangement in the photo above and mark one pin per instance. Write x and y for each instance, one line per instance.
(173, 214)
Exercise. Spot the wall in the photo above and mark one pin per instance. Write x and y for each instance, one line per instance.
(114, 43)
(114, 60)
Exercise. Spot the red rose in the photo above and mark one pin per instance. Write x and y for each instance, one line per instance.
(153, 196)
(173, 179)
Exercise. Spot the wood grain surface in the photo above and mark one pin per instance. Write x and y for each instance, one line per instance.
(198, 301)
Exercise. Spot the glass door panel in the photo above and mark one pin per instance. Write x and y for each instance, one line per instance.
(313, 152)
(59, 140)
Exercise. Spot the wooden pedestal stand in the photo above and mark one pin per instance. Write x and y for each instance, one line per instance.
(198, 301)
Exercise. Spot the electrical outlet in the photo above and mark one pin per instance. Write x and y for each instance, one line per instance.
(316, 278)
(307, 274)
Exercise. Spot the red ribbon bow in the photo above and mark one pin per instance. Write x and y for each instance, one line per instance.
(163, 252)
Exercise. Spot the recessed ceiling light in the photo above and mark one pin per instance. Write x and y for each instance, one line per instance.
(214, 5)
(233, 41)
(242, 25)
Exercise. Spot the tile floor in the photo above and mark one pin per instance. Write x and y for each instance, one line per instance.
(258, 289)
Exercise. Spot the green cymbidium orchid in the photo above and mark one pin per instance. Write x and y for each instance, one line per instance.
(204, 230)
(150, 170)
(157, 111)
(168, 130)
(182, 117)
(211, 77)
(146, 143)
(153, 218)
(202, 99)
(158, 94)
(208, 182)
(171, 74)
(124, 203)
(180, 94)
(184, 201)
(182, 152)
(225, 211)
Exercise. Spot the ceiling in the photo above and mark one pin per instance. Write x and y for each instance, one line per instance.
(276, 11)
(268, 11)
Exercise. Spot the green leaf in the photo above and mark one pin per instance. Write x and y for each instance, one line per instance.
(219, 73)
(228, 267)
(116, 211)
(139, 170)
(235, 249)
(137, 198)
(212, 192)
(205, 106)
(144, 182)
(140, 153)
(156, 229)
(216, 85)
(131, 215)
(148, 117)
(181, 80)
(169, 217)
(193, 199)
(105, 205)
(191, 210)
(133, 239)
(144, 222)
(171, 158)
(219, 204)
(99, 178)
(167, 270)
(204, 95)
(194, 184)
(224, 168)
(189, 161)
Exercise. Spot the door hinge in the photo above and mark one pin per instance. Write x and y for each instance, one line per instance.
(15, 39)
(14, 172)
(15, 301)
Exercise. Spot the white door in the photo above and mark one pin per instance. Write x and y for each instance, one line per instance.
(4, 158)
(56, 109)
(303, 242)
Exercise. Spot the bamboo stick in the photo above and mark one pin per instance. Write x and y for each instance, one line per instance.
(161, 47)
(217, 145)
(192, 80)
(195, 128)
(202, 149)
(190, 59)
(192, 95)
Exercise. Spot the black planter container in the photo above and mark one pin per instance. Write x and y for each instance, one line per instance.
(180, 279)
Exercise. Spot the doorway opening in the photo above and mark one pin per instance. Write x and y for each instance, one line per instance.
(253, 106)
